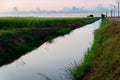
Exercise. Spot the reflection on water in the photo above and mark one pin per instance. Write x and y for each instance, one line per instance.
(20, 62)
(49, 61)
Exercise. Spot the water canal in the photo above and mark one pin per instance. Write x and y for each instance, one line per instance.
(49, 61)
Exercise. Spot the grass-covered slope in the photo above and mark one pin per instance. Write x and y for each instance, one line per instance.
(102, 62)
(106, 65)
(18, 38)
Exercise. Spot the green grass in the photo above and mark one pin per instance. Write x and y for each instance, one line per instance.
(21, 35)
(33, 22)
(14, 44)
(79, 71)
(102, 61)
(106, 65)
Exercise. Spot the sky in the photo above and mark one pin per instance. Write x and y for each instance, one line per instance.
(26, 5)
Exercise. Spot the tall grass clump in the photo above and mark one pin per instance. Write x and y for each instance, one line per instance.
(80, 70)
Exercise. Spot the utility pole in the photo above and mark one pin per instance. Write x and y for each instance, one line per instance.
(106, 14)
(111, 12)
(114, 10)
(118, 8)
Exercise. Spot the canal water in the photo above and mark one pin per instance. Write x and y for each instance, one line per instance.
(50, 60)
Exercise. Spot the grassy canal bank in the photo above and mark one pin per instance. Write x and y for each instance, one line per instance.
(21, 35)
(102, 61)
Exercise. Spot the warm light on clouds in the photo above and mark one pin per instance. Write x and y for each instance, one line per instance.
(8, 5)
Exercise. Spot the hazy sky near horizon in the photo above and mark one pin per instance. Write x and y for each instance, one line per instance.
(8, 5)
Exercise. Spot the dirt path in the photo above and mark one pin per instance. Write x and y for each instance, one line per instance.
(115, 19)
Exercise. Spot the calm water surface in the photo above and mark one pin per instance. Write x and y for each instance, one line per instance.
(52, 58)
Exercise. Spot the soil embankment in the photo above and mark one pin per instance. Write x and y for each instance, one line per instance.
(106, 64)
(102, 61)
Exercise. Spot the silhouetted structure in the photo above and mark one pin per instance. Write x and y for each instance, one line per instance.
(90, 16)
(102, 15)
